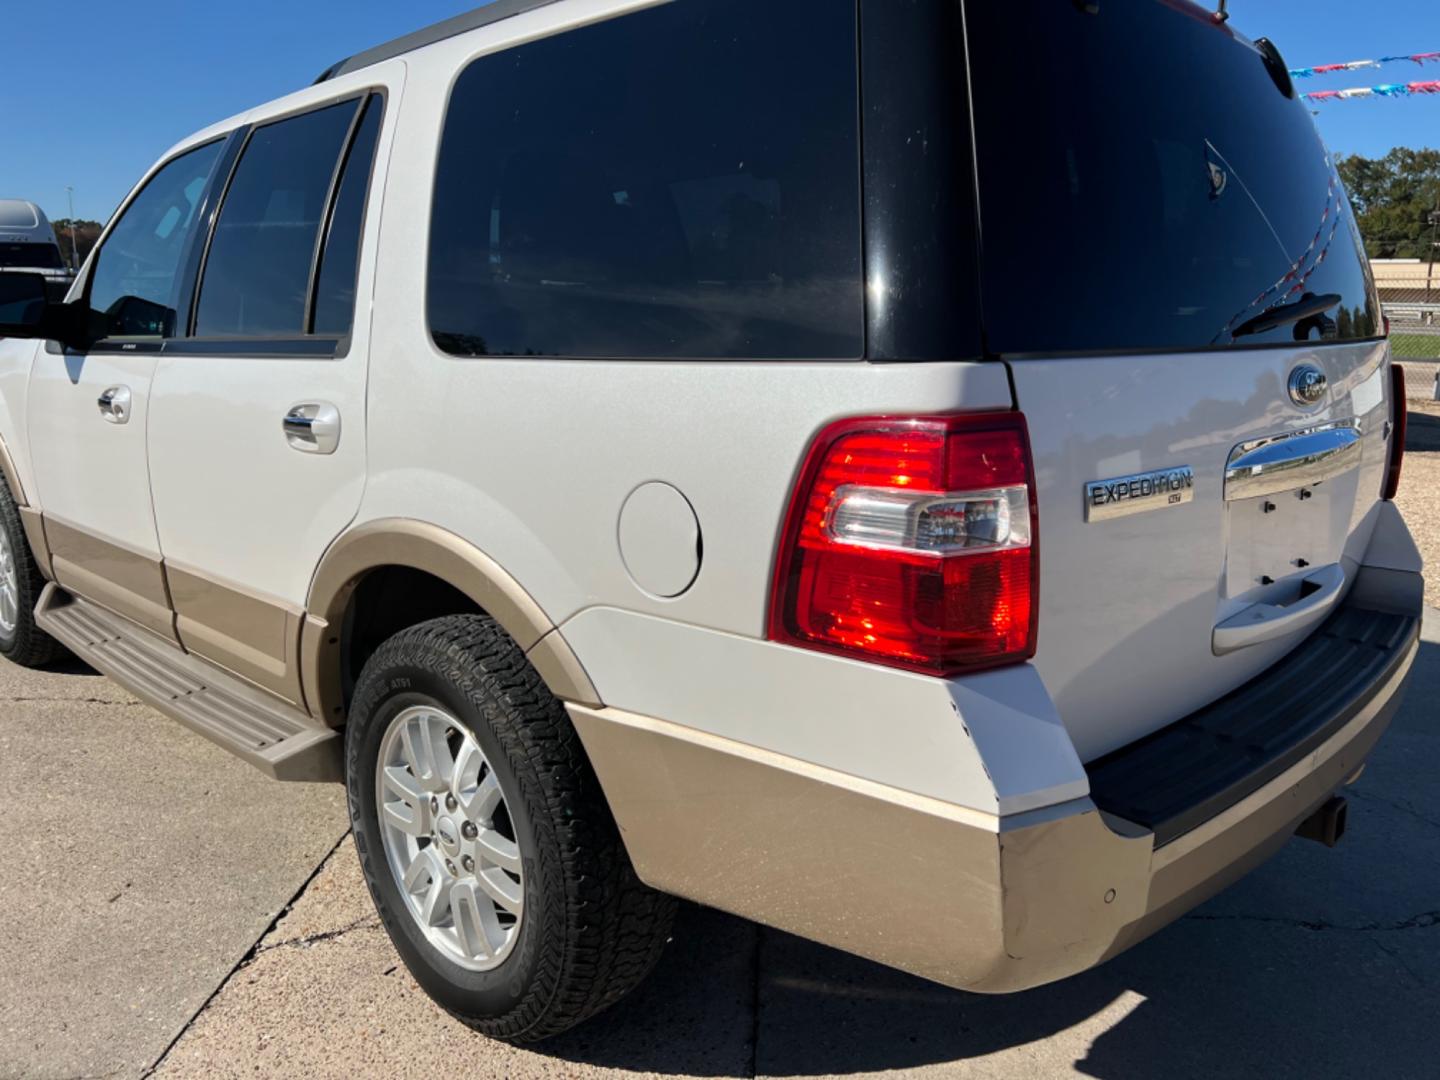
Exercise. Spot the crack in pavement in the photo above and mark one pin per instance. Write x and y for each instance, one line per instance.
(1365, 796)
(249, 956)
(1421, 921)
(306, 941)
(1420, 980)
(75, 701)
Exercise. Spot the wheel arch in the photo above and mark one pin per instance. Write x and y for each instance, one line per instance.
(30, 517)
(12, 475)
(401, 544)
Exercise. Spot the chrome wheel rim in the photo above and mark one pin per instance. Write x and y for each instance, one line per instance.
(448, 837)
(9, 587)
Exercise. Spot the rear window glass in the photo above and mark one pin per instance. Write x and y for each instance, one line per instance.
(683, 181)
(1151, 188)
(36, 256)
(257, 274)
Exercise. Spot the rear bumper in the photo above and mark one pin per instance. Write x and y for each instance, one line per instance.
(987, 902)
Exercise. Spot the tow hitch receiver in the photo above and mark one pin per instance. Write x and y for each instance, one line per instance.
(1326, 825)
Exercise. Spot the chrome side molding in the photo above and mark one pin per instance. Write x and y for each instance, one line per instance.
(1296, 459)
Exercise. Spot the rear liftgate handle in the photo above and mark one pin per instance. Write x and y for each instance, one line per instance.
(1266, 622)
(313, 428)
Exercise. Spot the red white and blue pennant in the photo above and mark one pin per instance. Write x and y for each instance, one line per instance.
(1356, 65)
(1389, 90)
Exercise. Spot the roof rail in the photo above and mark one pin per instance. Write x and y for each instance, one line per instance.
(471, 20)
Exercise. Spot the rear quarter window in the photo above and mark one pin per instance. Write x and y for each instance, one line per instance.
(1150, 188)
(679, 182)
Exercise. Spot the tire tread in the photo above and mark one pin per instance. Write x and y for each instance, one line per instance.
(32, 647)
(614, 927)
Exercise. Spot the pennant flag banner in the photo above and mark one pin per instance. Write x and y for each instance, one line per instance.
(1355, 65)
(1388, 90)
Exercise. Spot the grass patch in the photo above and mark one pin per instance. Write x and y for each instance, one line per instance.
(1415, 346)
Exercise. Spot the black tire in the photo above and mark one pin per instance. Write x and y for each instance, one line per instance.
(26, 645)
(591, 931)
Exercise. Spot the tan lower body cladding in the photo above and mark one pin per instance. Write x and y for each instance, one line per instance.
(967, 899)
(280, 648)
(255, 637)
(126, 582)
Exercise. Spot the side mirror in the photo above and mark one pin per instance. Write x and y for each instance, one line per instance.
(23, 305)
(25, 312)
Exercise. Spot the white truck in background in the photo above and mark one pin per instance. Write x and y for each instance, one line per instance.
(28, 245)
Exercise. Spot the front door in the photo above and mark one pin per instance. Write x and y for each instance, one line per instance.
(88, 411)
(257, 421)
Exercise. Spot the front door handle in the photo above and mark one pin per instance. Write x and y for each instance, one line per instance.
(313, 428)
(115, 405)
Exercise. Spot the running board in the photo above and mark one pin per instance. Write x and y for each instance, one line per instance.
(280, 741)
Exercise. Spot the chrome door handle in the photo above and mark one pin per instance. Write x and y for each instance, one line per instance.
(115, 405)
(312, 428)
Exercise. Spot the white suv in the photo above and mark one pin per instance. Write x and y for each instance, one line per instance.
(768, 454)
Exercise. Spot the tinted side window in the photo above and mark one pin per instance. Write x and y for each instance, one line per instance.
(133, 280)
(1166, 195)
(678, 182)
(257, 273)
(335, 289)
(40, 256)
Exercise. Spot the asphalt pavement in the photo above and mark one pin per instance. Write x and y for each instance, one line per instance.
(165, 909)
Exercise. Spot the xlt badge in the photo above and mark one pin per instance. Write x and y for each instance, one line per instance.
(1105, 499)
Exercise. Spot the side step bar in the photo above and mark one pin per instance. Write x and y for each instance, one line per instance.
(280, 741)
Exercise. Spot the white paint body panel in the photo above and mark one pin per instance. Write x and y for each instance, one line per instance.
(16, 358)
(1128, 606)
(991, 742)
(233, 500)
(93, 472)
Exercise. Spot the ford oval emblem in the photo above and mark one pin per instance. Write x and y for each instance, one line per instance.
(1307, 385)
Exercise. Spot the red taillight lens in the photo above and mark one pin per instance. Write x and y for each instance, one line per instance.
(1397, 436)
(913, 542)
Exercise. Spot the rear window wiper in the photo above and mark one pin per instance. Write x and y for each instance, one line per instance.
(1307, 307)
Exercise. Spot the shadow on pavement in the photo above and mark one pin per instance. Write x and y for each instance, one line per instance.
(1422, 432)
(1321, 963)
(70, 664)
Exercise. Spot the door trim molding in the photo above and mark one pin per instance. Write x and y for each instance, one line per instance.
(128, 582)
(249, 634)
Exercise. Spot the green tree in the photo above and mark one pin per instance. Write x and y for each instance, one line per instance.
(1394, 197)
(87, 233)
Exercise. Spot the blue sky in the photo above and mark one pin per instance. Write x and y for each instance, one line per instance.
(95, 90)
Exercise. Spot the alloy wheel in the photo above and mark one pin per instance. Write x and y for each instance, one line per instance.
(448, 837)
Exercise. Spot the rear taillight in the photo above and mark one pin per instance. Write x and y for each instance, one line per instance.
(1397, 435)
(913, 541)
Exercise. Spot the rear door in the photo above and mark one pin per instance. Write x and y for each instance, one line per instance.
(1172, 270)
(257, 425)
